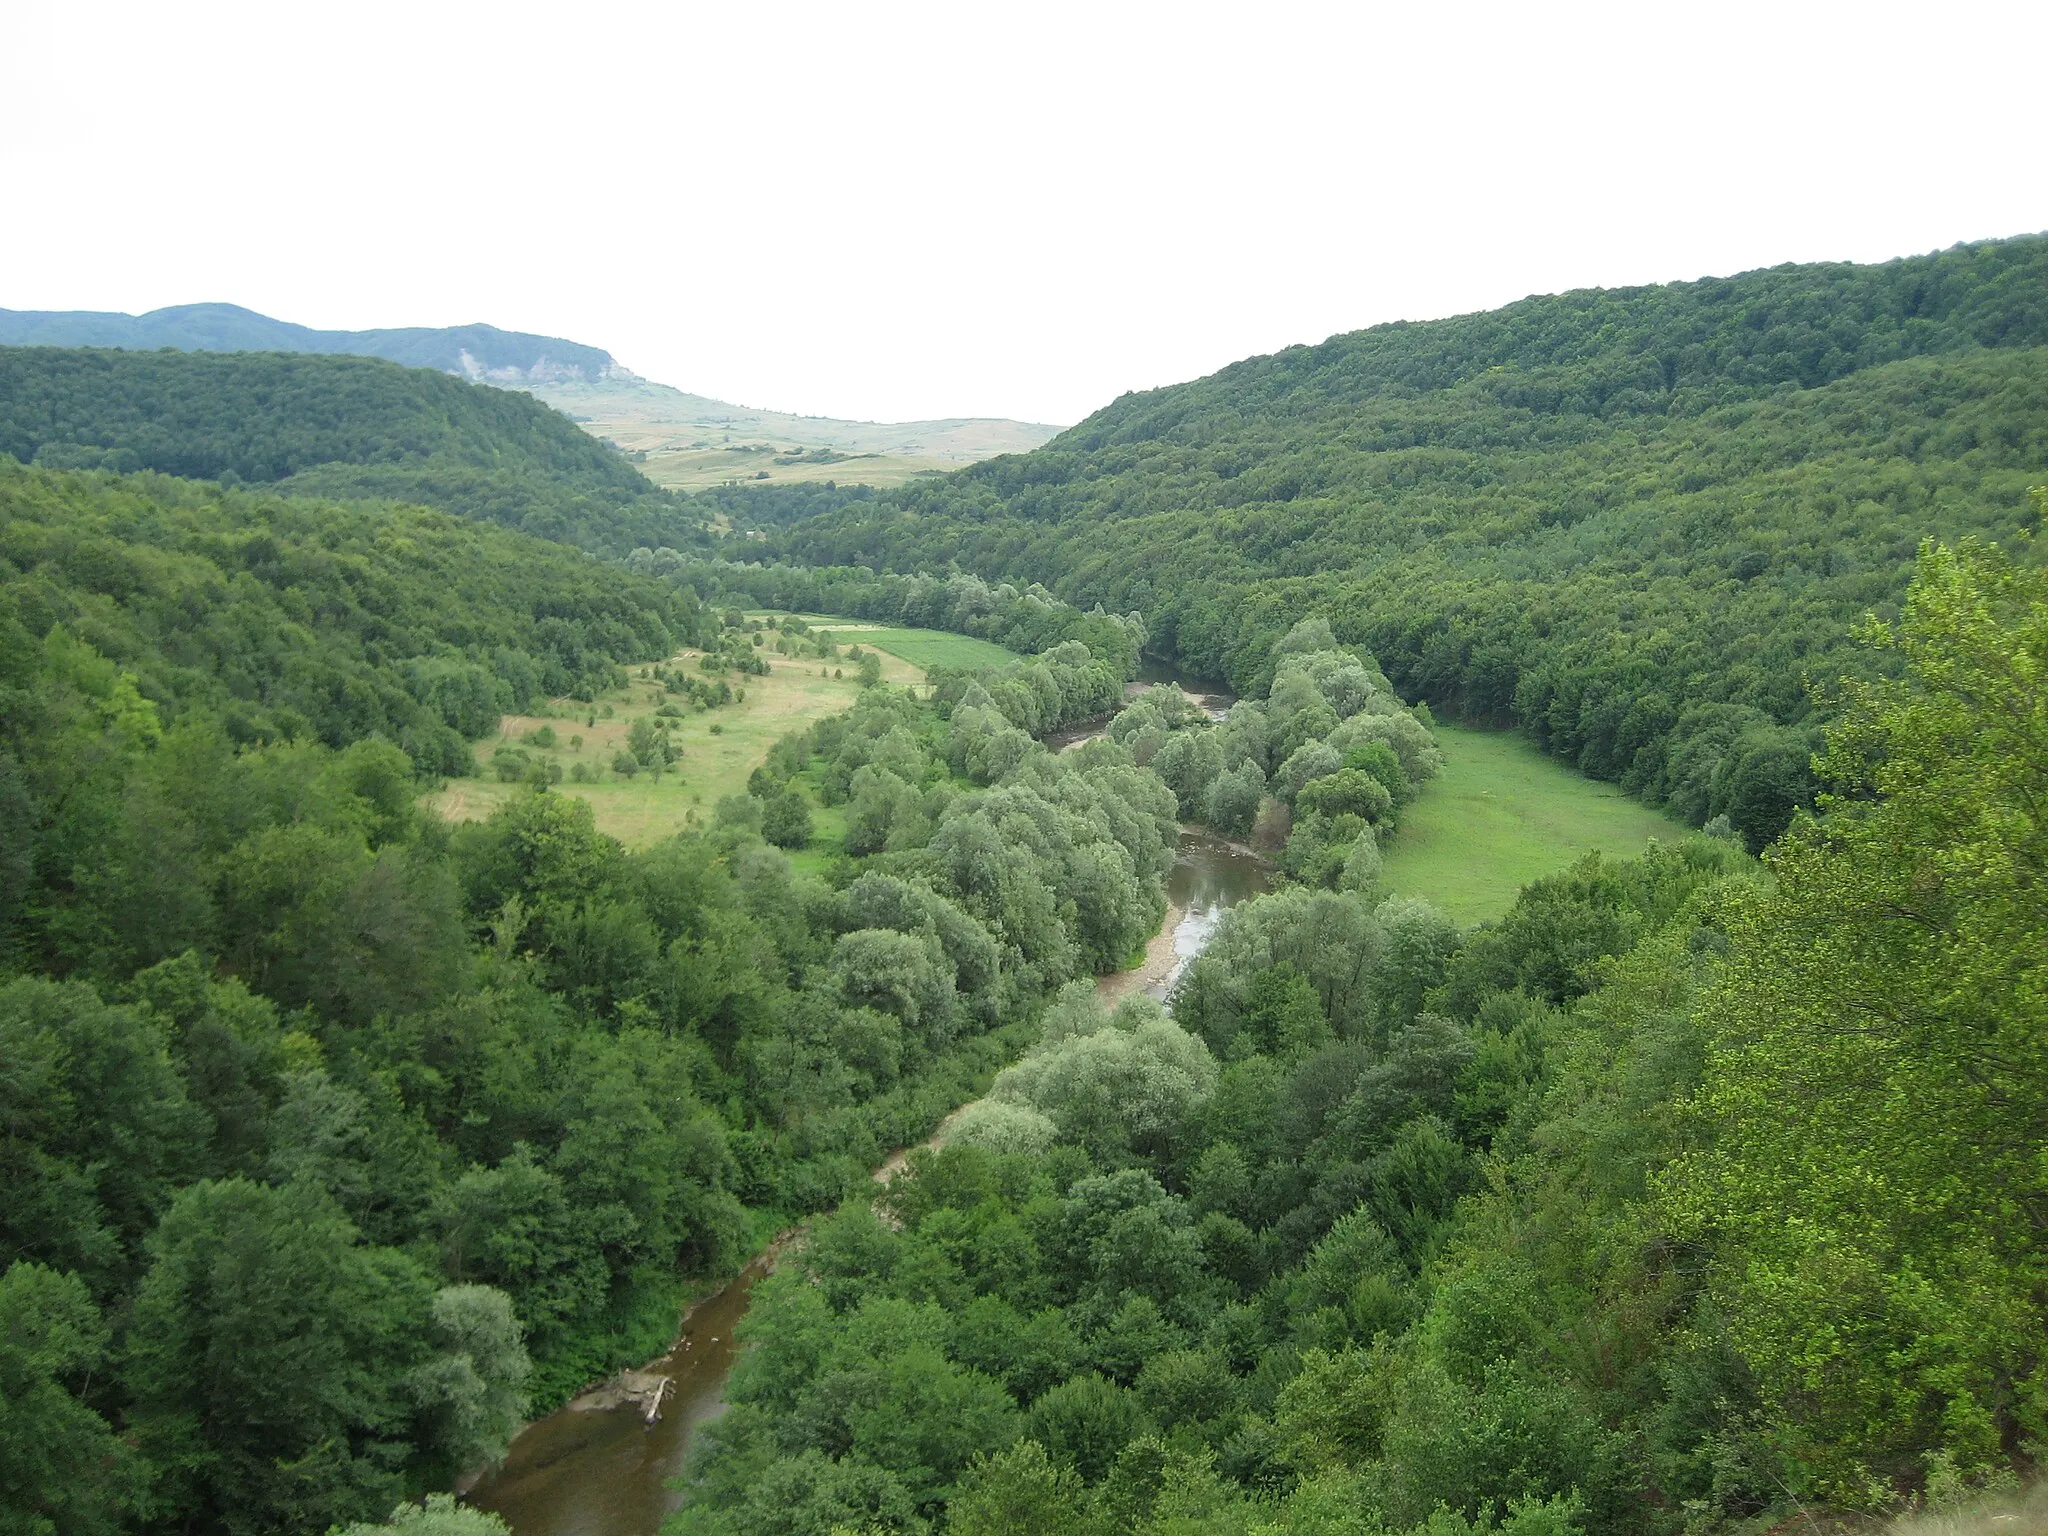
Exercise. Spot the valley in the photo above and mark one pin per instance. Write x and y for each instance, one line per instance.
(686, 442)
(1438, 935)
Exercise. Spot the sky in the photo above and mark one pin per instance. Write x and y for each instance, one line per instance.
(982, 208)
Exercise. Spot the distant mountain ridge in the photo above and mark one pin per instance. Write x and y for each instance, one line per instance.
(340, 427)
(685, 441)
(481, 353)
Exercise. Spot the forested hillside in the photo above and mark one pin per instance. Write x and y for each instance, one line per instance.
(1676, 1199)
(334, 427)
(334, 1138)
(281, 618)
(1694, 1195)
(1636, 521)
(470, 350)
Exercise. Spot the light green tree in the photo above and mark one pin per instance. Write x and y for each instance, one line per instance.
(1877, 1089)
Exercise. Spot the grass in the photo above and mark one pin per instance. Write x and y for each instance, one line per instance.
(698, 469)
(690, 442)
(721, 747)
(1502, 814)
(922, 648)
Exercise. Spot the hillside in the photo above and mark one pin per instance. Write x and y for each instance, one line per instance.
(473, 351)
(692, 443)
(276, 618)
(336, 427)
(1638, 521)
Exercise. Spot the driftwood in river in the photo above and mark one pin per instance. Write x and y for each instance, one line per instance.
(644, 1390)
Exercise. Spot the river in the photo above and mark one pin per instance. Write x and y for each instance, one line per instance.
(602, 1472)
(1214, 697)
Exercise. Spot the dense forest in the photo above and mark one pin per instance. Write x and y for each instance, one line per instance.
(1637, 522)
(337, 1139)
(334, 427)
(1676, 1197)
(1699, 1189)
(1027, 621)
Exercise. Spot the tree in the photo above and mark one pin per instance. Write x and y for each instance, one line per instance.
(786, 820)
(439, 1515)
(268, 1358)
(1118, 1088)
(62, 1469)
(897, 973)
(95, 1130)
(1084, 1421)
(1189, 762)
(1020, 1492)
(472, 1392)
(1877, 1091)
(1234, 798)
(1347, 792)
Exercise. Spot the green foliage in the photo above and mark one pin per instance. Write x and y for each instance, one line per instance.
(268, 1357)
(305, 620)
(786, 821)
(1023, 618)
(334, 427)
(1638, 522)
(1875, 1082)
(372, 1134)
(439, 1515)
(1338, 1282)
(62, 1469)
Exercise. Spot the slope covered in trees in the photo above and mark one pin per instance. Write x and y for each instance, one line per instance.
(459, 349)
(334, 1138)
(293, 618)
(334, 427)
(1676, 1197)
(1636, 521)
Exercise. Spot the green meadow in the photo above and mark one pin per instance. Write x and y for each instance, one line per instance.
(1502, 814)
(922, 648)
(720, 746)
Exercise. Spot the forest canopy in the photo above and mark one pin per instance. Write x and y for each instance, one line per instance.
(334, 427)
(1676, 1197)
(1638, 522)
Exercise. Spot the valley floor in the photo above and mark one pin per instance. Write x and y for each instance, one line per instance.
(1502, 814)
(720, 746)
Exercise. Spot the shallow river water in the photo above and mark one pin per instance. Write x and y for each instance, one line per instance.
(604, 1472)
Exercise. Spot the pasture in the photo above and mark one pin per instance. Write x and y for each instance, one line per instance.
(721, 746)
(1502, 814)
(922, 648)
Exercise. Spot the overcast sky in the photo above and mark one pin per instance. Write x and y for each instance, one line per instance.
(892, 211)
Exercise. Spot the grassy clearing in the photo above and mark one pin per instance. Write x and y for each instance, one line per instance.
(691, 442)
(922, 648)
(698, 469)
(720, 746)
(1502, 814)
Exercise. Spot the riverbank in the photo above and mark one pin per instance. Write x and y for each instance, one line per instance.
(595, 1469)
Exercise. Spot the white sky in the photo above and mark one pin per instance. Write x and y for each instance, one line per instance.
(978, 207)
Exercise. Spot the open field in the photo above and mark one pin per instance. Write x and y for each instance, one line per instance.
(692, 443)
(922, 648)
(1502, 814)
(720, 746)
(692, 469)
